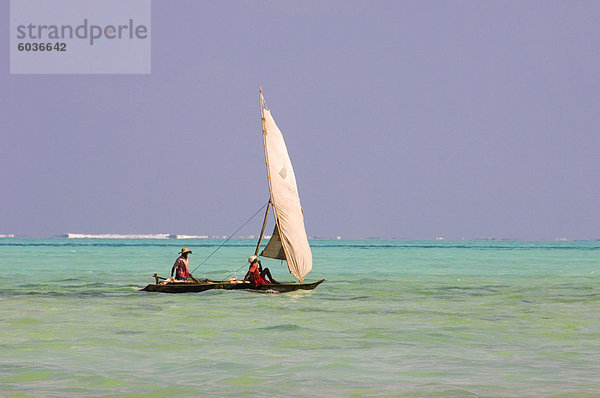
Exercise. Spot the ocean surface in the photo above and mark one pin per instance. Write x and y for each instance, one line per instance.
(392, 319)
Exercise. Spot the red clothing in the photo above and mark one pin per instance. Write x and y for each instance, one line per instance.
(255, 276)
(182, 268)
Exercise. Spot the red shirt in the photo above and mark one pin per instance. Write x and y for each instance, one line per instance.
(182, 268)
(255, 275)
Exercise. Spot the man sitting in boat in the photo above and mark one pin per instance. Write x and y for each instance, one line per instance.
(256, 274)
(182, 265)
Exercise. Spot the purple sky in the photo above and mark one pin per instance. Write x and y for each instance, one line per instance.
(413, 119)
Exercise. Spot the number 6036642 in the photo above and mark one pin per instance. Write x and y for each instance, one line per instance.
(42, 46)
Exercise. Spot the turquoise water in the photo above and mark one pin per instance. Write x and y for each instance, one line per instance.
(414, 319)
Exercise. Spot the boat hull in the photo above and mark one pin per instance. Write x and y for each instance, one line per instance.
(286, 287)
(180, 287)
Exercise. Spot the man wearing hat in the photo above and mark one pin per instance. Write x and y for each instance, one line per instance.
(182, 265)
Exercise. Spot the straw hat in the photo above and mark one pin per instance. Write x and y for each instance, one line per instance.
(252, 259)
(185, 250)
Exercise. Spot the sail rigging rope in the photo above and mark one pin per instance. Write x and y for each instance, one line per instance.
(234, 272)
(230, 236)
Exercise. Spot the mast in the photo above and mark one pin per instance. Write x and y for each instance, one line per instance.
(262, 231)
(264, 133)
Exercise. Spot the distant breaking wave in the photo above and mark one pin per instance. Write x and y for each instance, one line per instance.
(133, 236)
(116, 236)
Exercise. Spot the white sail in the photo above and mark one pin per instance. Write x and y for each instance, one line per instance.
(274, 248)
(285, 199)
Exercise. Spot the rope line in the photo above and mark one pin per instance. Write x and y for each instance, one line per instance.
(234, 272)
(230, 236)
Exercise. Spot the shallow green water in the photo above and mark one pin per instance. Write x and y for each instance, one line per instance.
(498, 319)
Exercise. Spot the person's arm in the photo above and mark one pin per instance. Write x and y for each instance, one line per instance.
(174, 266)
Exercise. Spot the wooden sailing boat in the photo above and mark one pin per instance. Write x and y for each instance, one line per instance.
(288, 241)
